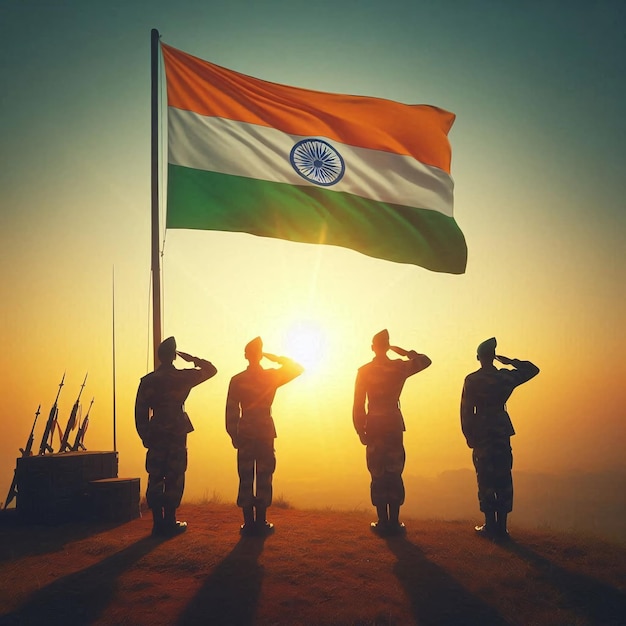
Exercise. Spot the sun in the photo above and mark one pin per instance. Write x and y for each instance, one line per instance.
(306, 342)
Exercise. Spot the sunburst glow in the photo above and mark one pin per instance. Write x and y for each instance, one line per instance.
(306, 342)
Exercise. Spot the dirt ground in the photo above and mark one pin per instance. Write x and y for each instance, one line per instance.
(318, 567)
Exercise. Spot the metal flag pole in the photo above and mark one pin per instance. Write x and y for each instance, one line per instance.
(114, 391)
(156, 268)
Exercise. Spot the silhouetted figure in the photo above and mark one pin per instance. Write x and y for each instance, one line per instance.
(163, 424)
(380, 426)
(487, 428)
(251, 428)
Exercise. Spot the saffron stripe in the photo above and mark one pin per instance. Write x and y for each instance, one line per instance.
(419, 131)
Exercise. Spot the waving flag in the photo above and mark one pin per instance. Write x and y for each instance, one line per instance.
(369, 174)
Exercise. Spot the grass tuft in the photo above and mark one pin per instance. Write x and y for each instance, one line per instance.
(280, 503)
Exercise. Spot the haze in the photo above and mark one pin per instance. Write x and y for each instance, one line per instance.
(538, 162)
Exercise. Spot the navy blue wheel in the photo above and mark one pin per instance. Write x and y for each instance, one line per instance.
(317, 161)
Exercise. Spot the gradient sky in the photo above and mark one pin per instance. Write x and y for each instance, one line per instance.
(538, 160)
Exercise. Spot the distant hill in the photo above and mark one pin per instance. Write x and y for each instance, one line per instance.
(317, 568)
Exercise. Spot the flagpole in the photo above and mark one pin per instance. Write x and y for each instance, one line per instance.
(156, 267)
(114, 392)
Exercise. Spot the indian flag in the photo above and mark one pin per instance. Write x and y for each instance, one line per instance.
(369, 174)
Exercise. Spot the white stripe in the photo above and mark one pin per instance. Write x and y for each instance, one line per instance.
(219, 145)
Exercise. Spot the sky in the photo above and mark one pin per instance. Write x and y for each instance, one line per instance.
(538, 162)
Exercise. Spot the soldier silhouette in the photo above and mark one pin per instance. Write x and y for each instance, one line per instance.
(163, 424)
(380, 425)
(487, 428)
(251, 428)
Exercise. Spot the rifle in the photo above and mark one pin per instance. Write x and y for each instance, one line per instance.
(82, 429)
(71, 424)
(26, 451)
(52, 419)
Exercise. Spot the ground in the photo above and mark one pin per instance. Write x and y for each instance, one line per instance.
(317, 568)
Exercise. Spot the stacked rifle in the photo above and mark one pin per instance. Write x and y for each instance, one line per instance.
(45, 447)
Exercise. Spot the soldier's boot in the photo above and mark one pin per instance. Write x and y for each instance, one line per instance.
(502, 531)
(382, 524)
(396, 527)
(247, 528)
(171, 527)
(262, 525)
(489, 528)
(157, 520)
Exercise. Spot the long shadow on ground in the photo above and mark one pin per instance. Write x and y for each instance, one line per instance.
(20, 540)
(81, 597)
(602, 604)
(231, 593)
(436, 597)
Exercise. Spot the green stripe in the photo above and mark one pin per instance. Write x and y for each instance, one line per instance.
(210, 201)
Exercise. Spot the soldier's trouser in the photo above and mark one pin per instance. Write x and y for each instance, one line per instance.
(493, 463)
(166, 464)
(385, 461)
(255, 458)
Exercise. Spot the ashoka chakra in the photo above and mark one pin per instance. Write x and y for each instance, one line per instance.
(317, 161)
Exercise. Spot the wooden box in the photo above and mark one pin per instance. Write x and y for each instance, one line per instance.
(114, 499)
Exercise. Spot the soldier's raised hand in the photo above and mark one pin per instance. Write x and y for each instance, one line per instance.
(185, 356)
(399, 350)
(503, 359)
(281, 360)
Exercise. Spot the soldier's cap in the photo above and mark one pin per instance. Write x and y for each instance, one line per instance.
(255, 346)
(381, 337)
(487, 347)
(167, 350)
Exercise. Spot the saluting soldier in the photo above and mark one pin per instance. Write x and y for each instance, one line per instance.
(250, 424)
(380, 425)
(163, 425)
(488, 429)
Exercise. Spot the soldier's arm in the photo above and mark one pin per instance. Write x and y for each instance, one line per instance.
(359, 416)
(288, 370)
(523, 372)
(205, 369)
(142, 414)
(233, 413)
(416, 362)
(468, 412)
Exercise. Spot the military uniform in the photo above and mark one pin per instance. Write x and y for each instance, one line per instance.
(251, 427)
(381, 427)
(163, 424)
(487, 428)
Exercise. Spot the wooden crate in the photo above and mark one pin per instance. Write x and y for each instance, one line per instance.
(53, 488)
(114, 499)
